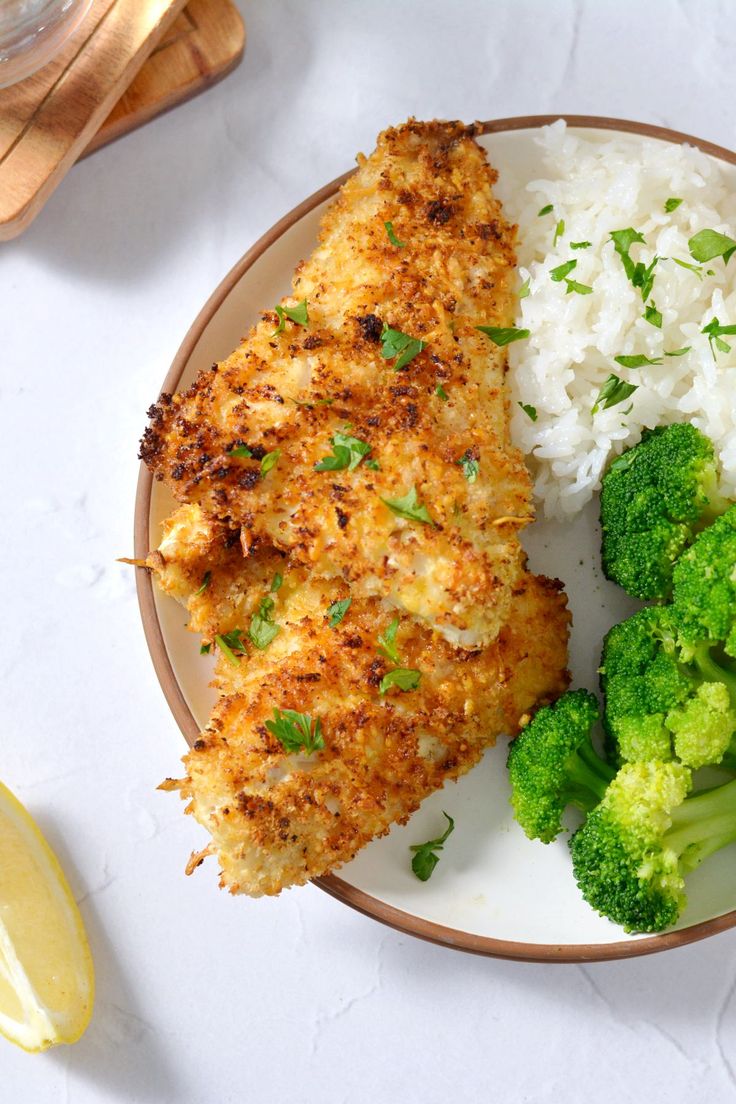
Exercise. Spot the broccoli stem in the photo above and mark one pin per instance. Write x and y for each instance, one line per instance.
(717, 504)
(713, 671)
(702, 825)
(589, 776)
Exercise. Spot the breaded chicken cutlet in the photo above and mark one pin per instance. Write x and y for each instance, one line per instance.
(436, 425)
(280, 817)
(355, 447)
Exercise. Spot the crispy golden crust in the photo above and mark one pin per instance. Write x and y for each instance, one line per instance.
(488, 638)
(201, 563)
(454, 272)
(278, 819)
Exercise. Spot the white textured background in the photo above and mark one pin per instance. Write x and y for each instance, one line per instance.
(203, 999)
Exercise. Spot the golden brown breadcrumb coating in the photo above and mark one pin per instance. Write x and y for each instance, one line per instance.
(480, 639)
(453, 272)
(279, 819)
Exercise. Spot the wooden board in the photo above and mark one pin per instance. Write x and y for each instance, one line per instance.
(202, 46)
(47, 120)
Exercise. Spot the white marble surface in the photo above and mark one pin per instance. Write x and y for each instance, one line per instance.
(205, 999)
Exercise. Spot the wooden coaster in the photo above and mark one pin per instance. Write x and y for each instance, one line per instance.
(47, 120)
(202, 46)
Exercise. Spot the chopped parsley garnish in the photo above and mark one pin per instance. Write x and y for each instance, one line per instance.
(409, 506)
(638, 361)
(529, 410)
(403, 678)
(269, 461)
(277, 581)
(204, 649)
(241, 451)
(337, 610)
(580, 289)
(387, 642)
(205, 583)
(470, 465)
(643, 277)
(679, 352)
(373, 465)
(298, 314)
(559, 231)
(672, 204)
(558, 274)
(640, 275)
(707, 244)
(524, 289)
(652, 315)
(614, 391)
(546, 210)
(230, 643)
(263, 629)
(503, 335)
(296, 731)
(623, 463)
(347, 452)
(425, 859)
(715, 332)
(399, 345)
(392, 237)
(441, 393)
(690, 267)
(580, 245)
(622, 243)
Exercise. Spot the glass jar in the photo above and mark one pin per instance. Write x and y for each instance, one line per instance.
(32, 31)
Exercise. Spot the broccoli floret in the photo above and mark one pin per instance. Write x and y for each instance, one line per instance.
(703, 727)
(634, 850)
(704, 592)
(664, 699)
(654, 497)
(641, 681)
(552, 764)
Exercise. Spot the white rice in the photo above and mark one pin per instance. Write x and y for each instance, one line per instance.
(596, 187)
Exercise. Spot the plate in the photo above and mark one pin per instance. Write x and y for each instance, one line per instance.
(494, 892)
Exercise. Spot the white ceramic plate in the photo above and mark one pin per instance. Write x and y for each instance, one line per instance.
(494, 891)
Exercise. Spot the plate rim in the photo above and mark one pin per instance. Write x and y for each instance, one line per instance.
(332, 884)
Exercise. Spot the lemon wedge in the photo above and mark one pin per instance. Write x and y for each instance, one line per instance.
(46, 974)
